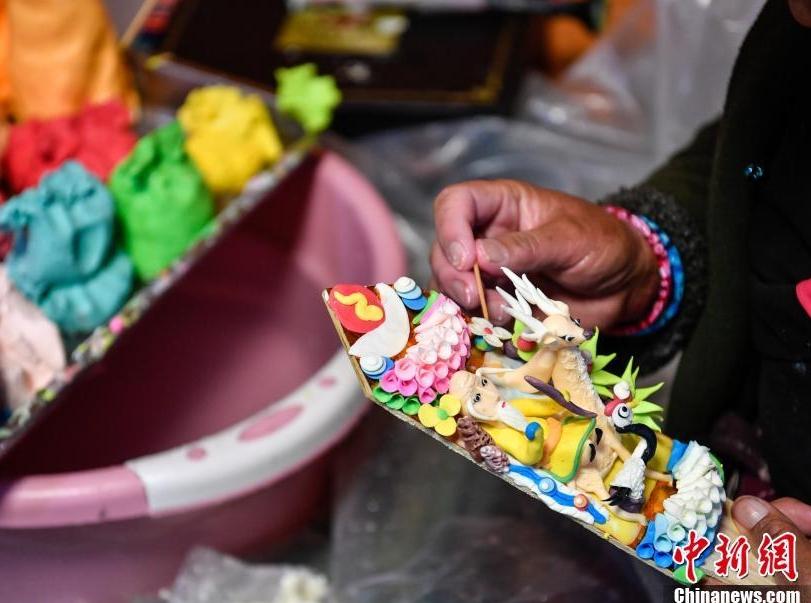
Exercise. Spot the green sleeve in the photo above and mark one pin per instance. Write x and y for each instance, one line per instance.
(675, 197)
(686, 175)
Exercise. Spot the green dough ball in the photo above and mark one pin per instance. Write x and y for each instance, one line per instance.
(161, 199)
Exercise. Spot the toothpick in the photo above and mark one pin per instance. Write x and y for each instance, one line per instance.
(482, 300)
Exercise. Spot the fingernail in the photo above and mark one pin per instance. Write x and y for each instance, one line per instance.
(497, 314)
(461, 293)
(493, 251)
(456, 254)
(748, 511)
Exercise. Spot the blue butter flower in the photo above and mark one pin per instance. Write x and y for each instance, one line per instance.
(63, 257)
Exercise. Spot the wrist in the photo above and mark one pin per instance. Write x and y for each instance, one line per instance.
(646, 283)
(650, 301)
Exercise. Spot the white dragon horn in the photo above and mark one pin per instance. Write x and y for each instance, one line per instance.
(534, 295)
(520, 303)
(520, 286)
(521, 311)
(548, 306)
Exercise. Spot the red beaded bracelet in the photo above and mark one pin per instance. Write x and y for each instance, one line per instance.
(663, 263)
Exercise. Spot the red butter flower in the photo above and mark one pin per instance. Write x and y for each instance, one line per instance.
(98, 138)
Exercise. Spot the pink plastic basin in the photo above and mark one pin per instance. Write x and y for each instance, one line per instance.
(208, 423)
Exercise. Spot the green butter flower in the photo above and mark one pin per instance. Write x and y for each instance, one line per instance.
(409, 405)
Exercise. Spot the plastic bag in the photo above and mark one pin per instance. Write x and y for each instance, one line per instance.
(661, 72)
(210, 577)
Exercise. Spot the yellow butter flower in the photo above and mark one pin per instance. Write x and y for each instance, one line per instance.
(440, 418)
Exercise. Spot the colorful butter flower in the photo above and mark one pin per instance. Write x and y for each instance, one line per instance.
(442, 347)
(375, 367)
(441, 417)
(358, 309)
(485, 331)
(410, 293)
(391, 336)
(396, 401)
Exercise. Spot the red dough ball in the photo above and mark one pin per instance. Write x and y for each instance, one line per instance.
(98, 138)
(106, 137)
(525, 345)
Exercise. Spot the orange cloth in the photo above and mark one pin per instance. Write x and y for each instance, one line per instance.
(61, 55)
(564, 38)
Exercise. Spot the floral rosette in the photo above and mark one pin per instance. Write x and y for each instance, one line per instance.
(486, 336)
(442, 347)
(64, 258)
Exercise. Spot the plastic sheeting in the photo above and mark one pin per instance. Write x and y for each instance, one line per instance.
(652, 80)
(416, 524)
(210, 577)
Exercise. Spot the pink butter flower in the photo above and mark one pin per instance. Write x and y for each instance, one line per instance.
(408, 388)
(405, 369)
(389, 382)
(427, 395)
(425, 377)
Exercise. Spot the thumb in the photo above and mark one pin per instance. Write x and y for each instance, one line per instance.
(546, 248)
(757, 518)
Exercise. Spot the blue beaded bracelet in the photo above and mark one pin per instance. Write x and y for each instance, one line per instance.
(677, 272)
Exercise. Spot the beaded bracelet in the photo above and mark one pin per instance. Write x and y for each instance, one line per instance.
(677, 272)
(671, 273)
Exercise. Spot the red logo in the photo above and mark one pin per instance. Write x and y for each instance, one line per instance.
(689, 553)
(775, 555)
(734, 556)
(778, 555)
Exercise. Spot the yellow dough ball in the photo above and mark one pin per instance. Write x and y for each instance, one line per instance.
(229, 136)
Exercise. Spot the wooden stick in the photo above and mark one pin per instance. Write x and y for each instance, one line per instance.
(137, 22)
(482, 299)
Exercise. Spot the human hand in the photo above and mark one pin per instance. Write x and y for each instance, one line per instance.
(574, 250)
(756, 517)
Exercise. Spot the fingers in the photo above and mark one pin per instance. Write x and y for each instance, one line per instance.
(495, 306)
(460, 208)
(756, 517)
(796, 511)
(549, 248)
(459, 285)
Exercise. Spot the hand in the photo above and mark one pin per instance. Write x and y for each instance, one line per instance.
(756, 517)
(572, 249)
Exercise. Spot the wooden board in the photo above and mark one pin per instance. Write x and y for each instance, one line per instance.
(728, 526)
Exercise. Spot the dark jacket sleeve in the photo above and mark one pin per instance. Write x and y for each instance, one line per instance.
(675, 197)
